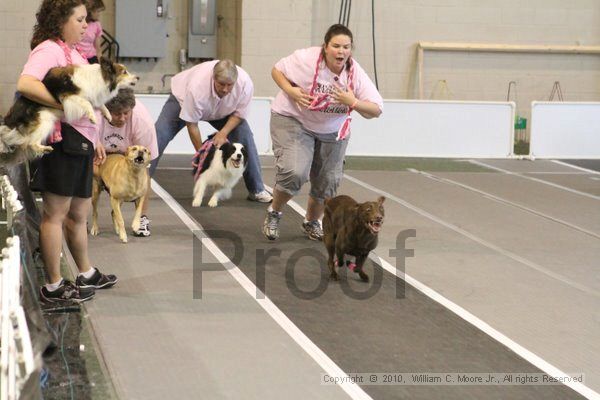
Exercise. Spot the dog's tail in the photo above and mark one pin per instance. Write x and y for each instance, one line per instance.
(11, 151)
(9, 138)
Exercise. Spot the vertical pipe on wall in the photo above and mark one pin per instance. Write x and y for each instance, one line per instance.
(420, 54)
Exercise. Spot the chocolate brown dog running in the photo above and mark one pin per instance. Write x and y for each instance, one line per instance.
(351, 228)
(125, 177)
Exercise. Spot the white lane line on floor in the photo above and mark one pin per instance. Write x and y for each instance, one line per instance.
(330, 367)
(477, 239)
(466, 315)
(558, 173)
(482, 164)
(493, 333)
(589, 171)
(504, 201)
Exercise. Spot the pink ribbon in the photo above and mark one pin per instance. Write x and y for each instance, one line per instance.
(321, 100)
(199, 158)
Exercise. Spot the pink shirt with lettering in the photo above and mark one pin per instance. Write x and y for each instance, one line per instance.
(93, 32)
(299, 69)
(47, 55)
(138, 130)
(195, 91)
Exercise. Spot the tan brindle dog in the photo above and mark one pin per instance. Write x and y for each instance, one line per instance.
(125, 178)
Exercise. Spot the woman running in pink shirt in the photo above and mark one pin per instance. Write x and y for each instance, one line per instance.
(310, 123)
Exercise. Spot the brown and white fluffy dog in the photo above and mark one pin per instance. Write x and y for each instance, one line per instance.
(79, 89)
(351, 228)
(125, 178)
(222, 168)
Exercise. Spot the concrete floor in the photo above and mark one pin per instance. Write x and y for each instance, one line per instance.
(513, 251)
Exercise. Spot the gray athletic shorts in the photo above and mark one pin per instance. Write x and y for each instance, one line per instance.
(301, 155)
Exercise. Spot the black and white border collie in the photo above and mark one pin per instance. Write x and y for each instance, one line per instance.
(79, 89)
(222, 168)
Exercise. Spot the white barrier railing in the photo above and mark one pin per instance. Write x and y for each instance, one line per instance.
(565, 130)
(16, 353)
(424, 128)
(9, 200)
(410, 128)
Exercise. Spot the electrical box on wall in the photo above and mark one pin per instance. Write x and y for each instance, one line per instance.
(202, 33)
(141, 27)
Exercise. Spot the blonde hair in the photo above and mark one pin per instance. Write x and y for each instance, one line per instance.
(225, 70)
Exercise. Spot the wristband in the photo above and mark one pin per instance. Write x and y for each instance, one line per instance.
(354, 104)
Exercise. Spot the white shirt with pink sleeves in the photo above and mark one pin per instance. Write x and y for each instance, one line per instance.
(194, 90)
(47, 55)
(138, 130)
(299, 69)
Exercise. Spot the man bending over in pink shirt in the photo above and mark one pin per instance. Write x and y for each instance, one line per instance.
(218, 92)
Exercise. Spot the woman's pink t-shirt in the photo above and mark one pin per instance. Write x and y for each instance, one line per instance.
(47, 55)
(299, 68)
(138, 130)
(93, 31)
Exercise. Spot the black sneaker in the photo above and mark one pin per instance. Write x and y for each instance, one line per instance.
(97, 281)
(67, 292)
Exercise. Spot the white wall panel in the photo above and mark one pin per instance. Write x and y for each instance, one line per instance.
(565, 130)
(409, 128)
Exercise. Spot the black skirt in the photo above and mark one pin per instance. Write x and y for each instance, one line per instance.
(63, 172)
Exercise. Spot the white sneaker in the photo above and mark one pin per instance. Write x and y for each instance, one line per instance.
(261, 197)
(144, 230)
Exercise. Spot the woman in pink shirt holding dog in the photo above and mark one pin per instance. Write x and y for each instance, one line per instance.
(64, 175)
(310, 123)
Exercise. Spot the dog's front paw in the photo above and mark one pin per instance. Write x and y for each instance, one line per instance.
(196, 202)
(94, 231)
(123, 238)
(93, 119)
(213, 202)
(364, 277)
(40, 150)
